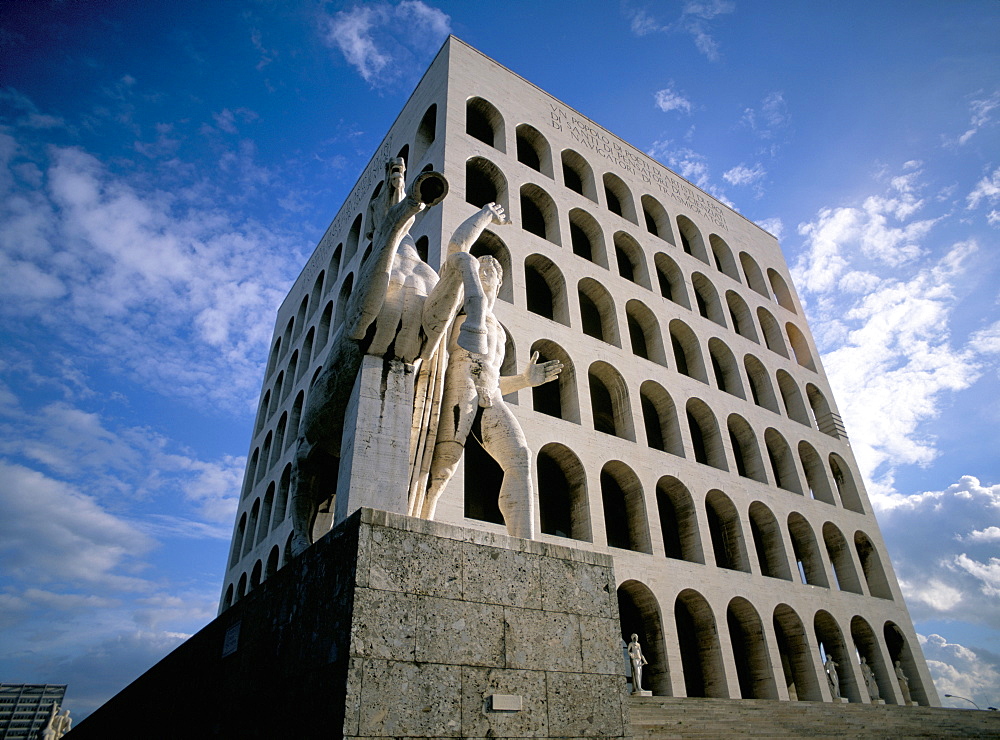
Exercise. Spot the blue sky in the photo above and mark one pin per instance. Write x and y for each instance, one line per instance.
(167, 168)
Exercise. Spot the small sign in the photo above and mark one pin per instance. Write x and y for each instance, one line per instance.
(505, 702)
(232, 640)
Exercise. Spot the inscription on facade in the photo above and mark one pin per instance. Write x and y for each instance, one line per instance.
(634, 162)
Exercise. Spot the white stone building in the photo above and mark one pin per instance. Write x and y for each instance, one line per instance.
(693, 434)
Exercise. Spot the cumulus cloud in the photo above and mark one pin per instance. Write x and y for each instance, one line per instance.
(970, 672)
(743, 175)
(669, 99)
(381, 40)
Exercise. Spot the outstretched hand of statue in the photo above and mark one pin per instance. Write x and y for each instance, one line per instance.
(539, 373)
(498, 216)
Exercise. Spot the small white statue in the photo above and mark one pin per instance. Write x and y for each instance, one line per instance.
(870, 683)
(58, 724)
(473, 382)
(904, 684)
(638, 660)
(832, 678)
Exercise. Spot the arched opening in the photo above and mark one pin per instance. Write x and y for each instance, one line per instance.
(248, 540)
(272, 563)
(484, 183)
(823, 416)
(293, 420)
(587, 237)
(250, 477)
(578, 175)
(755, 279)
(656, 218)
(286, 339)
(903, 662)
(871, 566)
(255, 574)
(760, 384)
(726, 533)
(241, 529)
(598, 318)
(619, 197)
(812, 464)
(870, 656)
(639, 613)
(316, 294)
(631, 260)
(746, 451)
(545, 289)
(334, 268)
(678, 521)
(698, 639)
(722, 255)
(739, 314)
(563, 507)
(687, 351)
(725, 369)
(846, 486)
(483, 479)
(538, 213)
(659, 416)
(281, 500)
(272, 360)
(750, 653)
(325, 322)
(484, 122)
(767, 542)
(279, 439)
(557, 398)
(228, 600)
(426, 133)
(839, 553)
(609, 401)
(342, 298)
(265, 404)
(691, 241)
(265, 455)
(800, 347)
(625, 522)
(705, 436)
(808, 561)
(264, 525)
(791, 397)
(644, 333)
(241, 589)
(671, 280)
(782, 463)
(423, 247)
(353, 237)
(781, 291)
(533, 150)
(307, 347)
(772, 332)
(832, 646)
(300, 317)
(796, 657)
(276, 397)
(491, 244)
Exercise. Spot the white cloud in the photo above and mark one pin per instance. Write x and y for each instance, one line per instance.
(767, 120)
(987, 573)
(379, 39)
(669, 99)
(970, 672)
(773, 226)
(987, 189)
(695, 19)
(981, 114)
(990, 534)
(743, 175)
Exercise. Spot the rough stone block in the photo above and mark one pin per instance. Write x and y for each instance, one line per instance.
(585, 705)
(499, 576)
(459, 632)
(479, 720)
(384, 625)
(415, 563)
(577, 588)
(600, 645)
(403, 699)
(540, 641)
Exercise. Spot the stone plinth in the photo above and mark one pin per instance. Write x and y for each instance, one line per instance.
(397, 627)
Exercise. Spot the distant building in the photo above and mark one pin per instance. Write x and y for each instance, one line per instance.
(693, 434)
(26, 707)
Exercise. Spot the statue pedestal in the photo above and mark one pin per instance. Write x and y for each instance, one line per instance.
(391, 626)
(375, 454)
(642, 692)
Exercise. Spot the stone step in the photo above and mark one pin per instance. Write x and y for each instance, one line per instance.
(667, 718)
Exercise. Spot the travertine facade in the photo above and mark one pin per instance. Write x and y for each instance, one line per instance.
(692, 434)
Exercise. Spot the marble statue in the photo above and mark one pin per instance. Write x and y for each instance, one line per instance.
(57, 725)
(904, 684)
(399, 303)
(638, 661)
(832, 678)
(473, 382)
(870, 683)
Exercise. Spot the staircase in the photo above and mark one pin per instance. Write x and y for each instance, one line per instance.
(666, 718)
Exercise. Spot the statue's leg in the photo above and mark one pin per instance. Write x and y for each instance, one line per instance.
(504, 440)
(301, 498)
(458, 411)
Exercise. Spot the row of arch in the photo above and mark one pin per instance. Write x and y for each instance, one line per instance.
(690, 649)
(485, 123)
